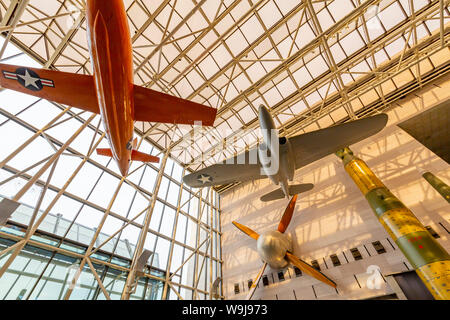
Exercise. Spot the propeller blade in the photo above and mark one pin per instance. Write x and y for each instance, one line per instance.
(306, 268)
(246, 230)
(255, 283)
(287, 216)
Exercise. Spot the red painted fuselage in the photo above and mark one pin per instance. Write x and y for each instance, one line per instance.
(111, 56)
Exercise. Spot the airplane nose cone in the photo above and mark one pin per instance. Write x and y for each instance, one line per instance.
(265, 119)
(123, 171)
(124, 166)
(263, 112)
(267, 125)
(272, 247)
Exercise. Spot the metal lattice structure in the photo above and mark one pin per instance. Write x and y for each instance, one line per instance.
(314, 63)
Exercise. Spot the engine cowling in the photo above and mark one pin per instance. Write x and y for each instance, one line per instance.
(287, 159)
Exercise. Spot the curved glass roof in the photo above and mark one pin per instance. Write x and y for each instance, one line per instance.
(314, 63)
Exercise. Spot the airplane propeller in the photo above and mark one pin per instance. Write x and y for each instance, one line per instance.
(302, 265)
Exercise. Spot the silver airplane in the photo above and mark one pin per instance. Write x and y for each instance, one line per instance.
(275, 249)
(278, 157)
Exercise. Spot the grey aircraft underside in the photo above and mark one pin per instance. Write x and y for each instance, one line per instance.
(278, 158)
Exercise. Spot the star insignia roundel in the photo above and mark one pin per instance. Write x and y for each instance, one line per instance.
(29, 79)
(204, 178)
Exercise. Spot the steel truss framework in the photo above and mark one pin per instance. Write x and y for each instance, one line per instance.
(314, 63)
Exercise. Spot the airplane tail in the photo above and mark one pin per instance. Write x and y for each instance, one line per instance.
(293, 190)
(135, 155)
(105, 152)
(143, 157)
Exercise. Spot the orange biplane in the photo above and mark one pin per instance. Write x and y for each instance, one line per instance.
(110, 92)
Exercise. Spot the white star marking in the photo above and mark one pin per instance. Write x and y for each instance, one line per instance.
(204, 179)
(29, 80)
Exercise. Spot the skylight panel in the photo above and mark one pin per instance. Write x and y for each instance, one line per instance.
(272, 97)
(360, 69)
(286, 87)
(317, 66)
(241, 82)
(337, 52)
(391, 16)
(286, 6)
(351, 43)
(346, 78)
(33, 115)
(395, 47)
(262, 48)
(270, 65)
(194, 78)
(252, 29)
(374, 28)
(122, 203)
(234, 123)
(184, 88)
(380, 57)
(418, 4)
(247, 114)
(170, 53)
(85, 180)
(280, 33)
(356, 104)
(137, 14)
(90, 218)
(284, 47)
(312, 127)
(240, 9)
(305, 36)
(421, 32)
(325, 19)
(223, 129)
(340, 8)
(17, 136)
(210, 8)
(388, 86)
(313, 98)
(221, 56)
(302, 76)
(298, 107)
(329, 87)
(195, 22)
(231, 92)
(269, 14)
(208, 66)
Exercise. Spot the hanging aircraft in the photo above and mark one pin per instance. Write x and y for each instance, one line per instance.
(110, 92)
(278, 158)
(275, 249)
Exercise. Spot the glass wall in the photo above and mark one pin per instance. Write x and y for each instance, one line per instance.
(49, 163)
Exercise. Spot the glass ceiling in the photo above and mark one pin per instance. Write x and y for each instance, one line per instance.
(313, 63)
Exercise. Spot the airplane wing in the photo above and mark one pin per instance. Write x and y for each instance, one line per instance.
(78, 91)
(220, 174)
(71, 89)
(315, 145)
(243, 167)
(154, 106)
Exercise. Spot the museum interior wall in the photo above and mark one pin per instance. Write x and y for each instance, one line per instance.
(335, 219)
